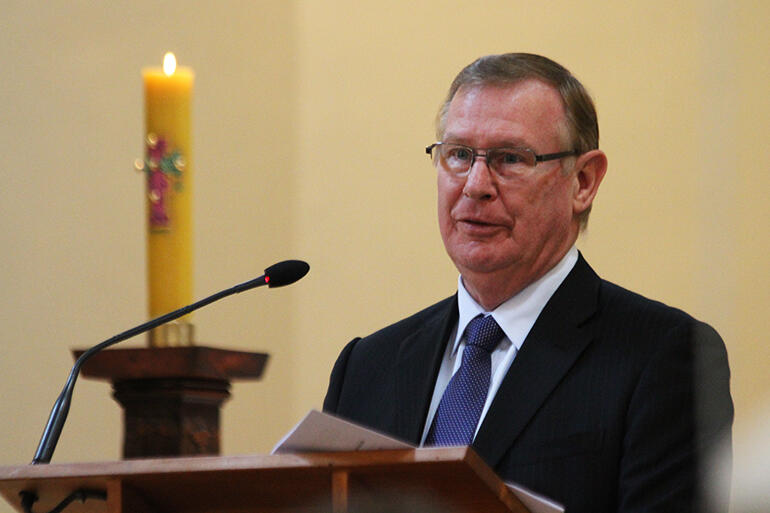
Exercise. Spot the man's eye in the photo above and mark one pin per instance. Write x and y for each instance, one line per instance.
(508, 157)
(461, 154)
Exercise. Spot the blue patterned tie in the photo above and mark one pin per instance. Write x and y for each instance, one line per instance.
(460, 408)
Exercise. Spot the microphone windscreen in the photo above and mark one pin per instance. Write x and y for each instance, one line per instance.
(286, 272)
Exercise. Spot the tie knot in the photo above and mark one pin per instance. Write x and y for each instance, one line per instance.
(483, 332)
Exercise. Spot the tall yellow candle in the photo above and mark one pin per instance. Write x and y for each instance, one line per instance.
(168, 98)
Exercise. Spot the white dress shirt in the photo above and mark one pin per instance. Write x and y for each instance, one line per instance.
(516, 316)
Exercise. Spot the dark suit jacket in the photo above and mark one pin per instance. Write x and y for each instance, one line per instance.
(610, 405)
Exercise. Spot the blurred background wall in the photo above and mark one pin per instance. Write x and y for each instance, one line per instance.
(310, 119)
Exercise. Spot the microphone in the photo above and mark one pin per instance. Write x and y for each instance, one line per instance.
(277, 275)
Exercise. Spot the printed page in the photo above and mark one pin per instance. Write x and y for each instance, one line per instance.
(322, 432)
(534, 502)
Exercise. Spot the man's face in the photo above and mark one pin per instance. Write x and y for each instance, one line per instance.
(516, 228)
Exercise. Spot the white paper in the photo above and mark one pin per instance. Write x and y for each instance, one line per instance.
(534, 502)
(322, 432)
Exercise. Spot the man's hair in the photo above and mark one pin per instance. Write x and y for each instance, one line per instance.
(512, 68)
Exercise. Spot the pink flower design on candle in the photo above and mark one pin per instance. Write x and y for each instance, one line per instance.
(162, 168)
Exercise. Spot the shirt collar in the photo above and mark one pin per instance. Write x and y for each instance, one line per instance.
(518, 313)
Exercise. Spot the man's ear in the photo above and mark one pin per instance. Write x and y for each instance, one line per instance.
(590, 168)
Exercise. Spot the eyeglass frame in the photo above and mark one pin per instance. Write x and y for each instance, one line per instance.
(475, 153)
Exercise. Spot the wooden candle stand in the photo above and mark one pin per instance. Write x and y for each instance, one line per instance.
(171, 396)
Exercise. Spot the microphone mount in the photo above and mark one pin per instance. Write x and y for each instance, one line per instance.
(277, 275)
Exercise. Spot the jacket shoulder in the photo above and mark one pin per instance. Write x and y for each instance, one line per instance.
(414, 323)
(636, 310)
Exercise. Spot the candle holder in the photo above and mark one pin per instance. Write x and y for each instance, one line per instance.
(171, 397)
(172, 334)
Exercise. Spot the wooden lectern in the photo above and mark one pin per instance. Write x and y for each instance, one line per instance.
(426, 480)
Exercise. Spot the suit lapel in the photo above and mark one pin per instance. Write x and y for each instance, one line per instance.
(419, 360)
(549, 351)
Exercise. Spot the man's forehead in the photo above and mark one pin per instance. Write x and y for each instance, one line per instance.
(530, 93)
(525, 105)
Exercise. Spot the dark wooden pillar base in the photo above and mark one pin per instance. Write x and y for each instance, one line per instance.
(170, 417)
(171, 396)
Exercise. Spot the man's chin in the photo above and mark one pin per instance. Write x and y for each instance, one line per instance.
(479, 264)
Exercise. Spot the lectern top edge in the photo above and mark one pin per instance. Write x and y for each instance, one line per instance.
(245, 461)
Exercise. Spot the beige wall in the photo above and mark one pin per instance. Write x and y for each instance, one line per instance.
(310, 119)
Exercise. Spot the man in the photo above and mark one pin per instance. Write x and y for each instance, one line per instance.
(574, 387)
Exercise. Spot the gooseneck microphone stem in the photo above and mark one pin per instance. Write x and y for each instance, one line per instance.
(282, 273)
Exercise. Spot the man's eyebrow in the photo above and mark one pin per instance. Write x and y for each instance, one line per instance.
(504, 143)
(451, 138)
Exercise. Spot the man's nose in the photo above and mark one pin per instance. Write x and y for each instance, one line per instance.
(480, 181)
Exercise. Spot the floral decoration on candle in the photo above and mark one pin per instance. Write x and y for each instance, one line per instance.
(163, 168)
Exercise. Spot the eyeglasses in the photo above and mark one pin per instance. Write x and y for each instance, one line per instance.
(457, 159)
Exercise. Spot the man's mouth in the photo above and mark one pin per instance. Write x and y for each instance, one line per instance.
(480, 227)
